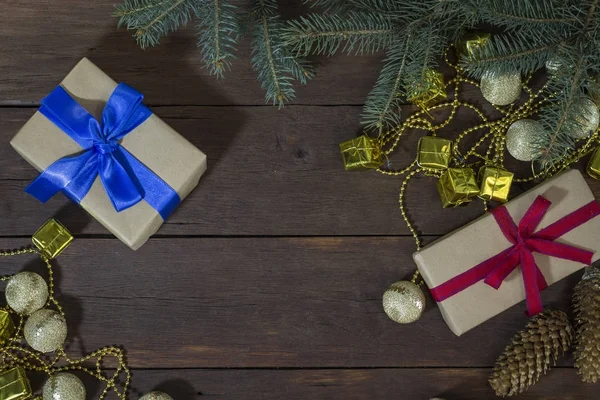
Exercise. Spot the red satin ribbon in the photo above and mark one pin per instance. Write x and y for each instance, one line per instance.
(524, 241)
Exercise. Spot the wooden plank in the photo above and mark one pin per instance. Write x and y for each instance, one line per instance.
(270, 173)
(351, 384)
(42, 42)
(262, 302)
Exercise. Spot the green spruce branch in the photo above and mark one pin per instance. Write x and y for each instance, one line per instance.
(220, 26)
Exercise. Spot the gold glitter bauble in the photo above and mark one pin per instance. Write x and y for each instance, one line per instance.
(590, 118)
(520, 137)
(404, 302)
(45, 330)
(63, 386)
(501, 89)
(26, 292)
(156, 395)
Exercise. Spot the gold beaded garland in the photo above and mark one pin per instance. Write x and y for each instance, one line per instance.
(588, 121)
(520, 137)
(501, 89)
(404, 302)
(45, 330)
(26, 292)
(63, 386)
(156, 395)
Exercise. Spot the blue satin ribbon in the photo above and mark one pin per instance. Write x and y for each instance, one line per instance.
(127, 181)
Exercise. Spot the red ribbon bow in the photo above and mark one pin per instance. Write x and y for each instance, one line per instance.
(524, 242)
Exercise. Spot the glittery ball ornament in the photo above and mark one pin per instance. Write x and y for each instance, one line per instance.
(404, 302)
(63, 386)
(501, 89)
(45, 330)
(26, 292)
(587, 119)
(156, 395)
(520, 138)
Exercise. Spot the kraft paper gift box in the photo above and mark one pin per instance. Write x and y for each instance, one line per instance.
(156, 145)
(458, 252)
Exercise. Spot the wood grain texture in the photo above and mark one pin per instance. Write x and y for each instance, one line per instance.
(262, 302)
(355, 384)
(270, 173)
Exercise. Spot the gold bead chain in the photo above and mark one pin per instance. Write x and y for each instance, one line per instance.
(15, 353)
(488, 149)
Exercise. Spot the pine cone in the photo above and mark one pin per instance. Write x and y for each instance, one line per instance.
(586, 303)
(532, 352)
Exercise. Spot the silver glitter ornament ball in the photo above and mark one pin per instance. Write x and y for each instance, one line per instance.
(45, 330)
(63, 386)
(156, 395)
(404, 302)
(588, 120)
(501, 89)
(520, 138)
(26, 292)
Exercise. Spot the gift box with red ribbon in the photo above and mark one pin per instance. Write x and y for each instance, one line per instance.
(513, 252)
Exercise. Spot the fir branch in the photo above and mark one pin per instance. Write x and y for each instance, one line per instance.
(218, 29)
(565, 113)
(275, 65)
(524, 51)
(324, 34)
(382, 107)
(153, 19)
(528, 14)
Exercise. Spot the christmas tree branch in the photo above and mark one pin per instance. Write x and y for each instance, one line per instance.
(218, 29)
(272, 60)
(324, 34)
(152, 19)
(382, 107)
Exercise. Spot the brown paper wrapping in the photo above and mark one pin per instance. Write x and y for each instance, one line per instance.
(481, 239)
(154, 143)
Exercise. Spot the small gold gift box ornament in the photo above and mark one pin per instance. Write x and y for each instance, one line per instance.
(363, 152)
(457, 186)
(14, 384)
(495, 183)
(430, 92)
(51, 239)
(593, 167)
(434, 153)
(7, 327)
(472, 42)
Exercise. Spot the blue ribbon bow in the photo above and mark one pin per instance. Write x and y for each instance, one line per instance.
(127, 181)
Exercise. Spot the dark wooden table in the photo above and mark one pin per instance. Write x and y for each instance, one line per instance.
(267, 282)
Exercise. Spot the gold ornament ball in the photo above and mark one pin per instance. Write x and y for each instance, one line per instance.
(45, 330)
(156, 395)
(520, 138)
(26, 292)
(588, 119)
(63, 386)
(501, 89)
(404, 302)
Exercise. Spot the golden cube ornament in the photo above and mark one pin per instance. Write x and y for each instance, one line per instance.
(434, 152)
(593, 167)
(363, 152)
(457, 186)
(430, 92)
(52, 238)
(495, 183)
(14, 384)
(473, 42)
(7, 326)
